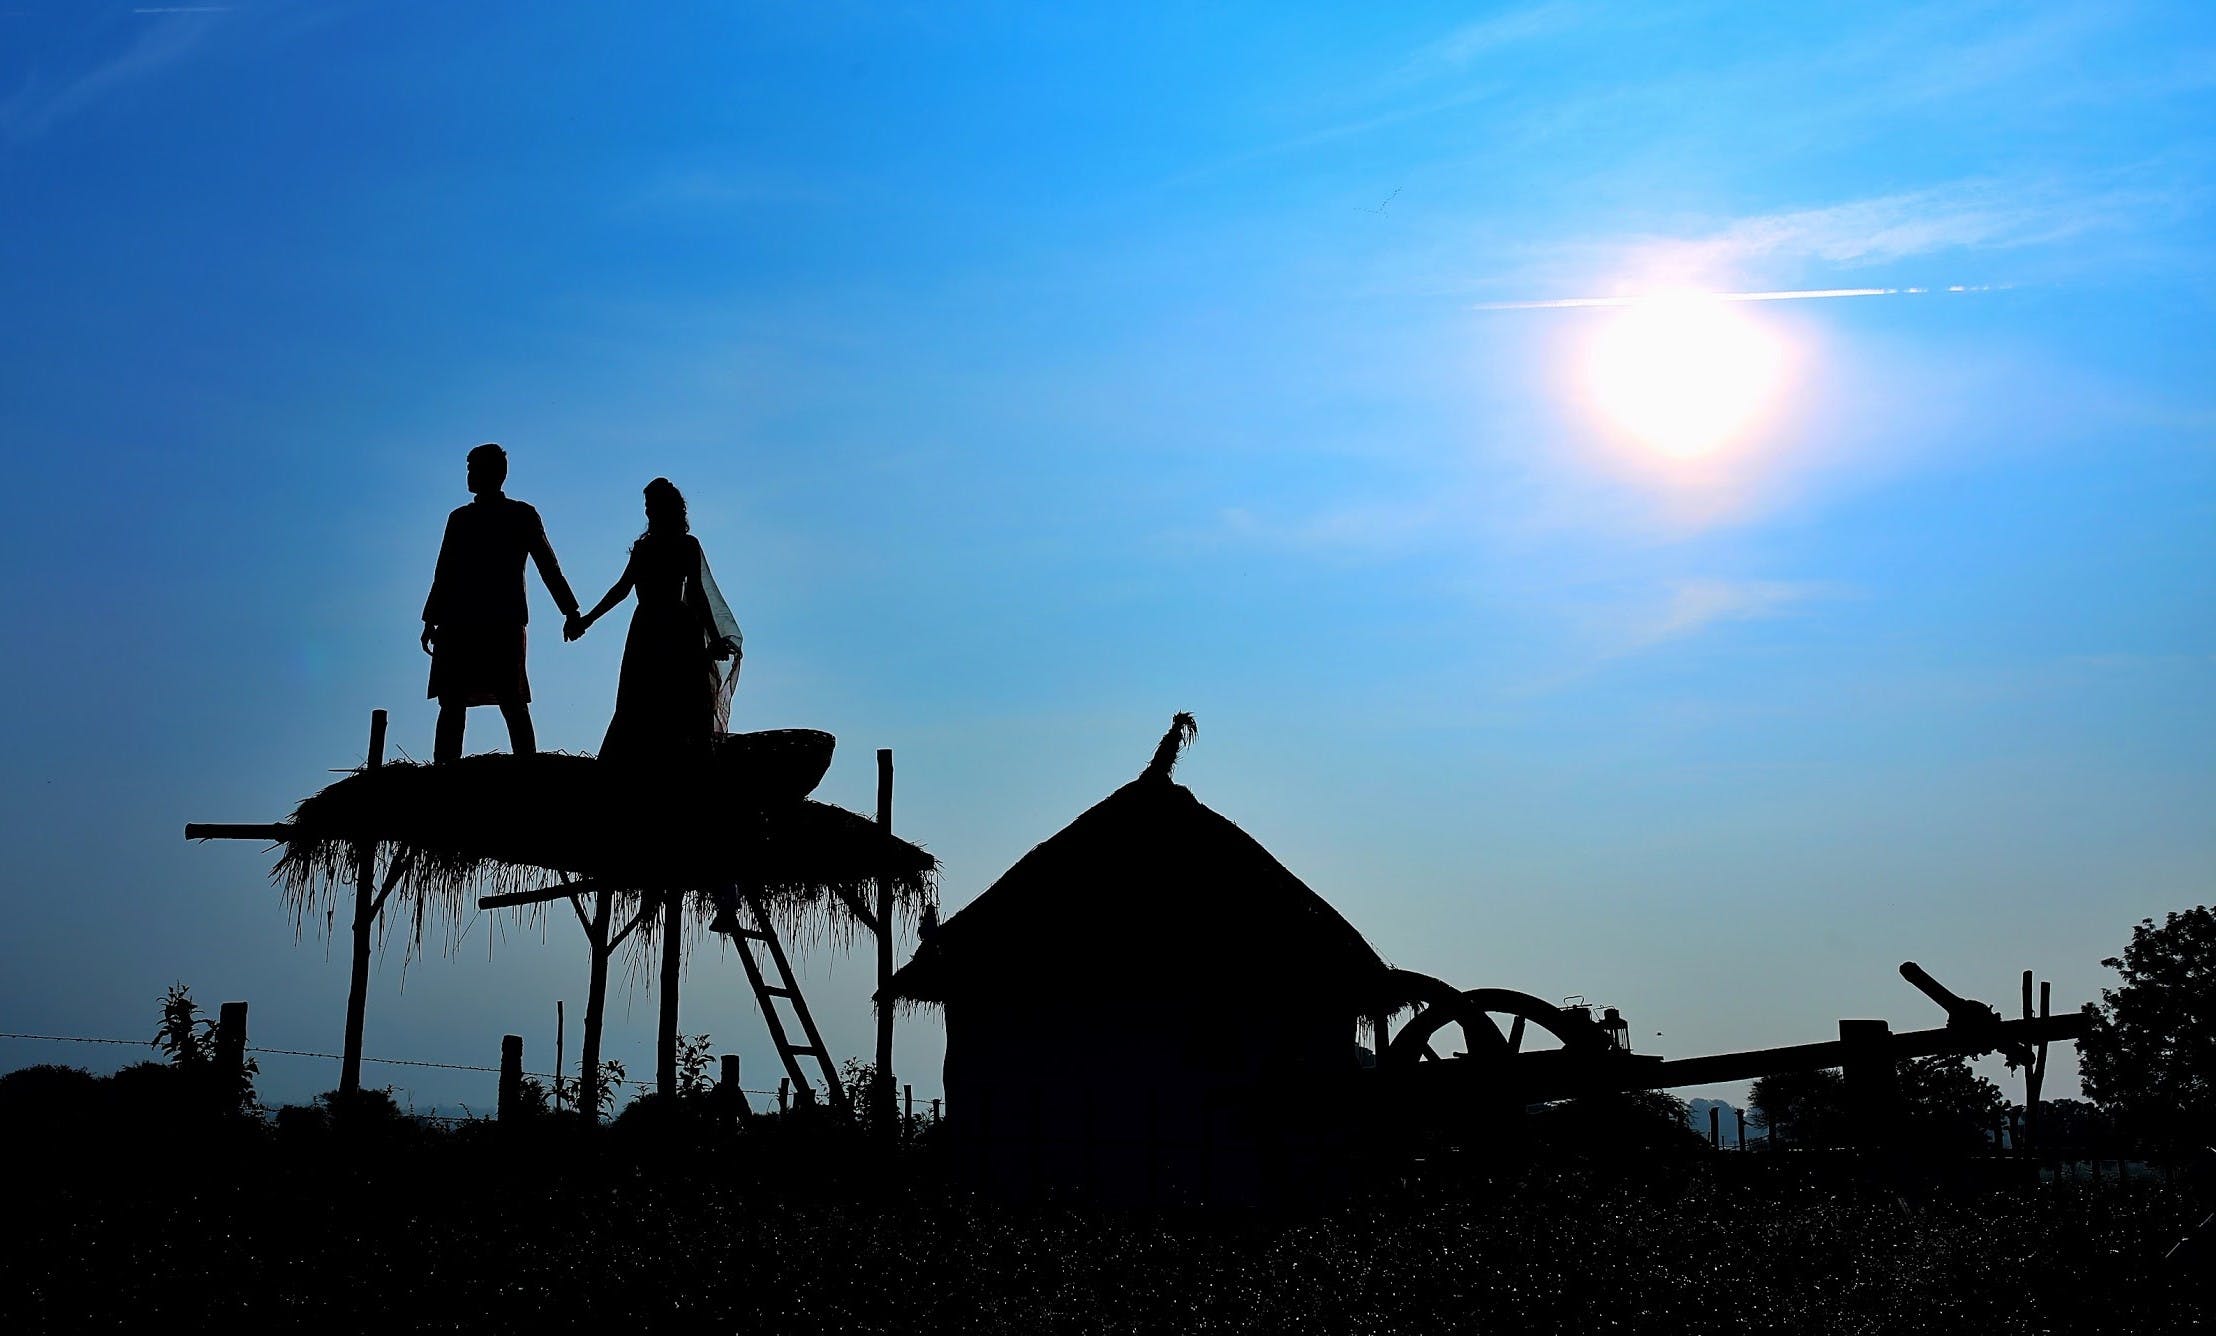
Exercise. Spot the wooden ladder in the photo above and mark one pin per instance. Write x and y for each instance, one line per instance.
(787, 987)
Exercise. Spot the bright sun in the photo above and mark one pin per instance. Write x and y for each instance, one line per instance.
(1685, 375)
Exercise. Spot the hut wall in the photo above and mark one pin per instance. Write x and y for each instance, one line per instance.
(1226, 1100)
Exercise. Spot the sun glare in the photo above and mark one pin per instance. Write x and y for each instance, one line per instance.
(1684, 375)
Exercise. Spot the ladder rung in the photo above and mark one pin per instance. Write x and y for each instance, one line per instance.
(808, 1052)
(779, 992)
(749, 932)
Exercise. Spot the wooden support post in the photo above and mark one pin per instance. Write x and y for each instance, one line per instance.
(2035, 1072)
(596, 1003)
(560, 1040)
(230, 1047)
(733, 1098)
(881, 1098)
(1715, 1128)
(784, 1094)
(511, 1076)
(365, 914)
(665, 1040)
(1873, 1082)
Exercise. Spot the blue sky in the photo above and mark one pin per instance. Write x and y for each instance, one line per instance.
(1035, 374)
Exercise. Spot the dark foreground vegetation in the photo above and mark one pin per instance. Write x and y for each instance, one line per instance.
(369, 1221)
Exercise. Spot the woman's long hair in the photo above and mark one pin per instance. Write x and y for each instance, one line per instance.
(665, 510)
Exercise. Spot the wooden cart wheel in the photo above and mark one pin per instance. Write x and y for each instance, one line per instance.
(1475, 1011)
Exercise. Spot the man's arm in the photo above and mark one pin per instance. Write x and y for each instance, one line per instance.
(550, 570)
(434, 603)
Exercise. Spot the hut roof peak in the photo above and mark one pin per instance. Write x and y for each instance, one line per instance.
(1172, 745)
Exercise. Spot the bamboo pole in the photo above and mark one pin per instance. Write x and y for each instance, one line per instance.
(673, 960)
(365, 914)
(596, 1002)
(881, 1097)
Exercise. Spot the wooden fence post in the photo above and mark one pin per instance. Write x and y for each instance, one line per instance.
(230, 1046)
(734, 1099)
(511, 1076)
(1715, 1128)
(1739, 1136)
(1873, 1083)
(365, 904)
(934, 1113)
(560, 1043)
(784, 1094)
(907, 1111)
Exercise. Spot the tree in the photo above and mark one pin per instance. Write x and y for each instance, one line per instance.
(1801, 1108)
(1639, 1121)
(1948, 1106)
(2075, 1129)
(2150, 1059)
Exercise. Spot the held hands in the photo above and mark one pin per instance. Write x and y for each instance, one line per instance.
(575, 625)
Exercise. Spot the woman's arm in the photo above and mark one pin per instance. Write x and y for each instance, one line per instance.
(617, 592)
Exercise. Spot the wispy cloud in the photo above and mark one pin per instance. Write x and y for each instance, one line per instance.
(1468, 44)
(1959, 219)
(1693, 606)
(1362, 531)
(39, 106)
(1966, 215)
(1786, 295)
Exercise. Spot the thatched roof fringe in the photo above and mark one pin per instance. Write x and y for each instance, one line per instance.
(496, 824)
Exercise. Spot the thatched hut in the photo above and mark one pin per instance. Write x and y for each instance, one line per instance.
(1148, 1007)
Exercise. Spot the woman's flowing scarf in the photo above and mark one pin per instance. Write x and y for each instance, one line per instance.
(725, 646)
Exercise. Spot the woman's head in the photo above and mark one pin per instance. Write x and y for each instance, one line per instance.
(665, 508)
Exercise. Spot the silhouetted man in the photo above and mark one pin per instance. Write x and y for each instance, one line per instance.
(473, 622)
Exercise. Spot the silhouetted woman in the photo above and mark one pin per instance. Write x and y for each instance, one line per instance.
(681, 658)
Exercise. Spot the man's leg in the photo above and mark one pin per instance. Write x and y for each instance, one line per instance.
(523, 740)
(453, 718)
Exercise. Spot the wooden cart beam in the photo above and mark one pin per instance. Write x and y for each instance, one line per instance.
(538, 897)
(1672, 1073)
(267, 832)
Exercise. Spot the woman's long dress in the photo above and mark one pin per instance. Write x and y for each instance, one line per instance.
(667, 692)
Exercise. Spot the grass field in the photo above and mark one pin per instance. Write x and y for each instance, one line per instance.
(489, 1229)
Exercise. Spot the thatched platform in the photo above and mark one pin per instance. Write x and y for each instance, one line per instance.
(497, 823)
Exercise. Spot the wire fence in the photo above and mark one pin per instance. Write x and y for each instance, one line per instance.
(784, 1092)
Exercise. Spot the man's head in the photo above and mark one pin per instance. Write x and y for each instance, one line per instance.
(488, 468)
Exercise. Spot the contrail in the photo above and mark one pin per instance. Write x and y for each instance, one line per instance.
(1795, 295)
